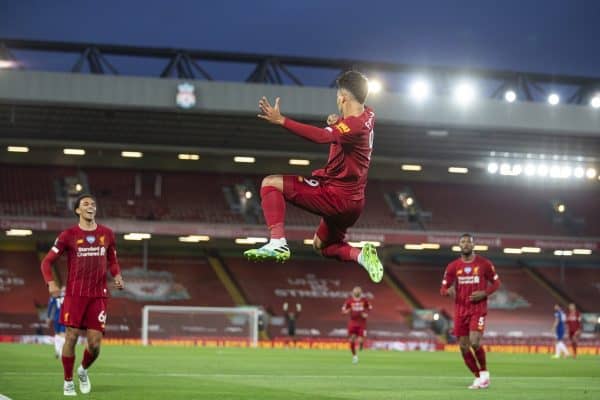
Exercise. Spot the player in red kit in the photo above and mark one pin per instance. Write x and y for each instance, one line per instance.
(335, 192)
(470, 280)
(574, 325)
(90, 249)
(358, 307)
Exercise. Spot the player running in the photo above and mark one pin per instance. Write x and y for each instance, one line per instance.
(335, 192)
(558, 328)
(90, 249)
(574, 325)
(358, 307)
(466, 280)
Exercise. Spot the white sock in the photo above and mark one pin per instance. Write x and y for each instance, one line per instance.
(274, 243)
(563, 348)
(557, 349)
(59, 341)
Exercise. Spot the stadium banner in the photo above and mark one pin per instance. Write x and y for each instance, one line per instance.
(527, 349)
(315, 344)
(231, 231)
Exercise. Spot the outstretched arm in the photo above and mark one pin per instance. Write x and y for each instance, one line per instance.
(272, 114)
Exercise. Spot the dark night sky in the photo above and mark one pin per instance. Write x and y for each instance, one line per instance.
(551, 36)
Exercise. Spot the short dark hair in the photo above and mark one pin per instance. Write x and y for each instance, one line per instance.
(467, 235)
(356, 83)
(79, 198)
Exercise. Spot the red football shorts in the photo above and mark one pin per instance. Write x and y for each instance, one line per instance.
(463, 324)
(84, 312)
(573, 334)
(338, 213)
(358, 330)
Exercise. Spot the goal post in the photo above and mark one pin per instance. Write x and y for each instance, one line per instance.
(185, 322)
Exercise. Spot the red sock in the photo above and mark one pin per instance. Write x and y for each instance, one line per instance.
(471, 362)
(341, 251)
(480, 354)
(353, 348)
(88, 359)
(273, 206)
(574, 349)
(68, 363)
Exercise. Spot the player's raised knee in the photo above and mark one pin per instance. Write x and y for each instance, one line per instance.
(275, 181)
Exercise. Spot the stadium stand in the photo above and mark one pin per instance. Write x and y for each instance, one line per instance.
(321, 286)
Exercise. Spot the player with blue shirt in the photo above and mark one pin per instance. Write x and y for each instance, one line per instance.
(558, 328)
(53, 316)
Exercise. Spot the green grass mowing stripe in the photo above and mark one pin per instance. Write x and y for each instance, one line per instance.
(29, 371)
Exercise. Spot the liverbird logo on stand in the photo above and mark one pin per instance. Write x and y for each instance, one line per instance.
(185, 96)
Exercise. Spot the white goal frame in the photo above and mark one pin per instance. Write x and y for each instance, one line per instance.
(251, 312)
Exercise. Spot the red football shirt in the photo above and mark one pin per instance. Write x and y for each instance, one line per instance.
(349, 157)
(89, 255)
(469, 277)
(574, 321)
(357, 307)
(351, 144)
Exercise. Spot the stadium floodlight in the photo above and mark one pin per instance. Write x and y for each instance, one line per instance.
(510, 250)
(480, 247)
(456, 248)
(160, 324)
(132, 154)
(595, 101)
(194, 238)
(458, 170)
(542, 170)
(137, 236)
(553, 99)
(565, 171)
(6, 64)
(529, 169)
(409, 246)
(505, 169)
(590, 173)
(578, 172)
(430, 246)
(248, 194)
(74, 152)
(560, 208)
(464, 93)
(244, 159)
(375, 86)
(516, 169)
(563, 253)
(188, 156)
(19, 232)
(492, 168)
(419, 90)
(297, 161)
(251, 240)
(582, 252)
(555, 171)
(411, 167)
(18, 149)
(436, 316)
(309, 242)
(534, 250)
(78, 187)
(409, 201)
(510, 96)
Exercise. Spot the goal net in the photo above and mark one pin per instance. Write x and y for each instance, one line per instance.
(166, 323)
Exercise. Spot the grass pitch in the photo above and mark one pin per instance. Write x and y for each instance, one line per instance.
(132, 372)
